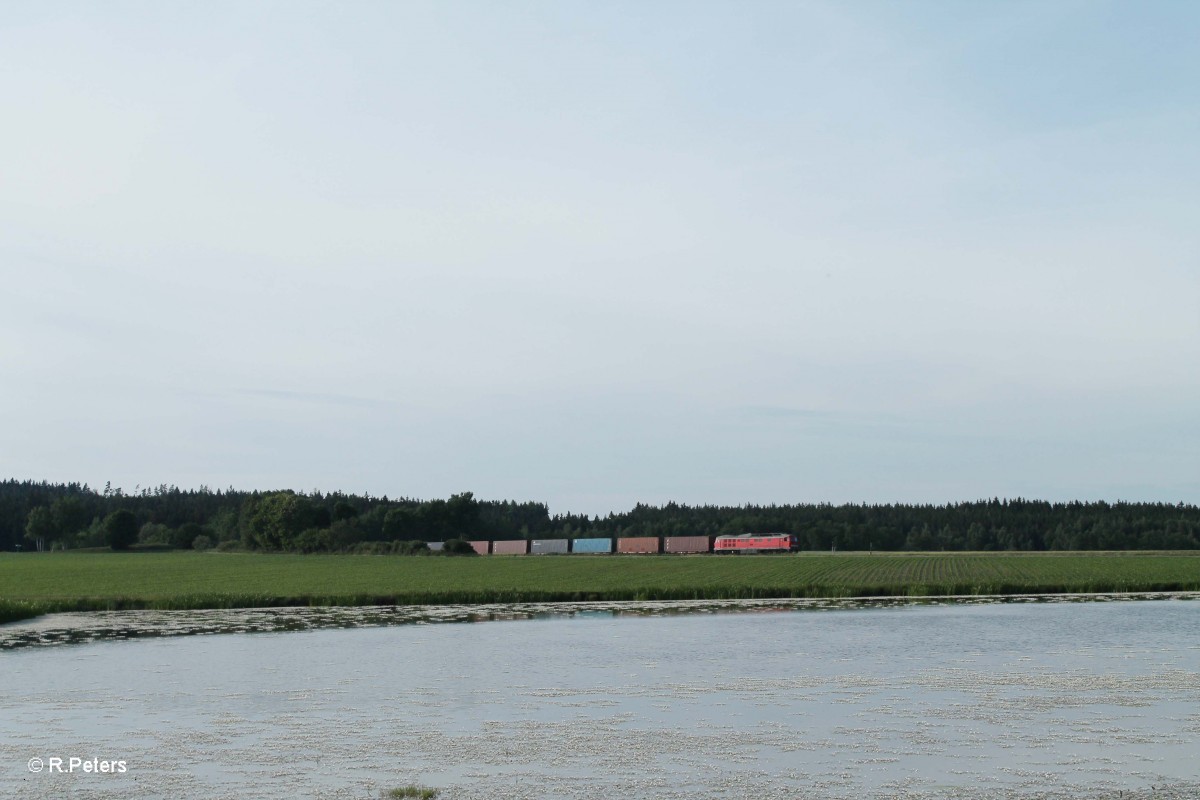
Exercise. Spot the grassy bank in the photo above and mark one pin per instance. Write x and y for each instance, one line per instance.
(11, 611)
(33, 583)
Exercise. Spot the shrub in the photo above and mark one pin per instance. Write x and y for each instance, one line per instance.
(370, 549)
(458, 547)
(410, 548)
(201, 543)
(154, 533)
(313, 540)
(184, 536)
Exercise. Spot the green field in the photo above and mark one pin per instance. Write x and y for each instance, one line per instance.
(32, 583)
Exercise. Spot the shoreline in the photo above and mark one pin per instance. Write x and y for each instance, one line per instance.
(12, 611)
(80, 627)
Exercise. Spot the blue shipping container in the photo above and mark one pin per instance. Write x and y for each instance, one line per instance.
(591, 545)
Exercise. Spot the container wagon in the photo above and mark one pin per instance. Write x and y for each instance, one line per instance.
(542, 547)
(637, 544)
(757, 543)
(686, 544)
(435, 547)
(591, 546)
(483, 547)
(514, 547)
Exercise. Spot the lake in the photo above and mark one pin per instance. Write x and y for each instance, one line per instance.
(803, 699)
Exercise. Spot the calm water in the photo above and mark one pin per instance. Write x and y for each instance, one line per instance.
(975, 700)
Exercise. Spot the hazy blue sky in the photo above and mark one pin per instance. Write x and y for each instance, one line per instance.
(602, 253)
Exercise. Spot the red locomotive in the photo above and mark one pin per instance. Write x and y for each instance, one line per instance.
(757, 543)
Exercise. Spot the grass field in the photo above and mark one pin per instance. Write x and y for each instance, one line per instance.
(33, 583)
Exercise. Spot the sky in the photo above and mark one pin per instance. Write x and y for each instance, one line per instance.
(596, 254)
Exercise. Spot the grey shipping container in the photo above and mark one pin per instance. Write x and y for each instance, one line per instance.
(481, 547)
(513, 547)
(591, 545)
(436, 546)
(637, 544)
(541, 547)
(685, 544)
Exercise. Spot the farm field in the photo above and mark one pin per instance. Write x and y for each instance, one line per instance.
(37, 583)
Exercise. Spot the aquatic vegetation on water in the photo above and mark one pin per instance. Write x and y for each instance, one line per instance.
(93, 626)
(411, 791)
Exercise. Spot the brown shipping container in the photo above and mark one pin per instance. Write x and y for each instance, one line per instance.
(514, 547)
(685, 544)
(481, 547)
(637, 544)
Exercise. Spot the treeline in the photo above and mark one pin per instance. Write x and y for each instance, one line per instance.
(55, 516)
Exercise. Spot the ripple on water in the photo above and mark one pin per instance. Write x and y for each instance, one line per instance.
(805, 709)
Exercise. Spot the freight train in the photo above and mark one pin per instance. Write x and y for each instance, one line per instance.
(745, 543)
